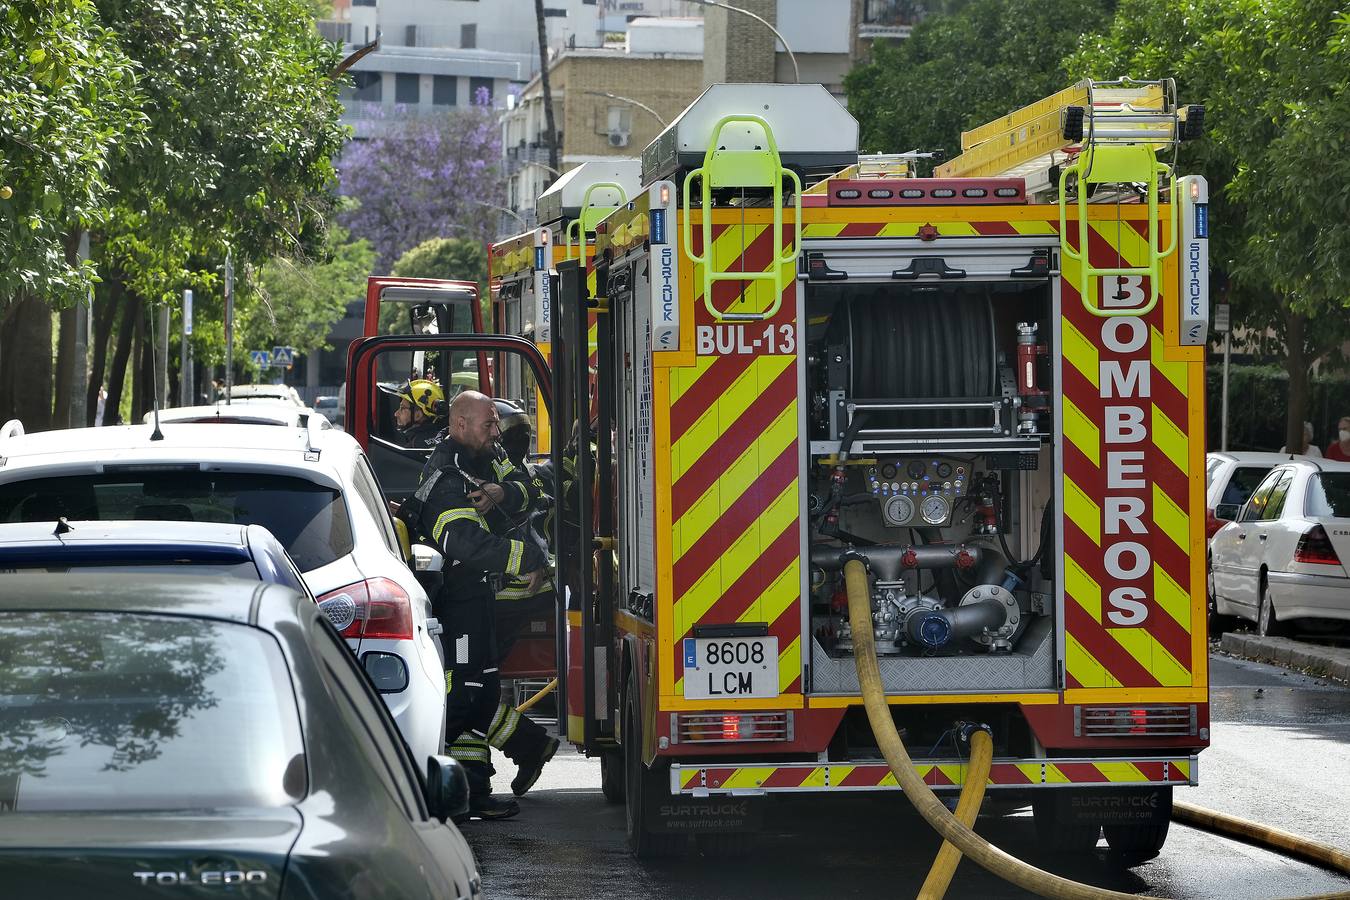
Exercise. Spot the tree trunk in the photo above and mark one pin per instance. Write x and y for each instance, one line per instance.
(140, 378)
(551, 130)
(26, 363)
(117, 375)
(104, 314)
(1296, 364)
(63, 390)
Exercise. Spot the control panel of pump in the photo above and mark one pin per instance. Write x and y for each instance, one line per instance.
(919, 491)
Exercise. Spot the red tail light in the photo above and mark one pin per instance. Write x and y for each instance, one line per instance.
(383, 610)
(1315, 547)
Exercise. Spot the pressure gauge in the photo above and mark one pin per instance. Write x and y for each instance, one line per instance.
(944, 470)
(935, 510)
(898, 510)
(915, 469)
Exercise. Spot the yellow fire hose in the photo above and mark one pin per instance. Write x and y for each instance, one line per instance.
(967, 809)
(953, 831)
(540, 695)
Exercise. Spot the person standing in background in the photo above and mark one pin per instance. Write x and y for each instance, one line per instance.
(1340, 448)
(1308, 448)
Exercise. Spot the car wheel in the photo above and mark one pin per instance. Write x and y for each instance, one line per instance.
(1266, 624)
(612, 776)
(1056, 828)
(643, 787)
(1139, 841)
(1218, 623)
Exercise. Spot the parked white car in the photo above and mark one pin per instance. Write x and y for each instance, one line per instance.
(311, 487)
(1230, 478)
(1282, 559)
(271, 412)
(265, 393)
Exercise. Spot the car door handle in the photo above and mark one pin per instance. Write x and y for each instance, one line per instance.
(1242, 536)
(1263, 537)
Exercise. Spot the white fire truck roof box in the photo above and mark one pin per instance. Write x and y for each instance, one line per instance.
(813, 131)
(564, 197)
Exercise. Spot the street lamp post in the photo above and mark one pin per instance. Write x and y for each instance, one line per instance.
(629, 100)
(796, 73)
(505, 209)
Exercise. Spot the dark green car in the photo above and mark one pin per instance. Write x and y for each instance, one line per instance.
(166, 736)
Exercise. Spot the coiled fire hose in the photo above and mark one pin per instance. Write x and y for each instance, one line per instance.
(957, 832)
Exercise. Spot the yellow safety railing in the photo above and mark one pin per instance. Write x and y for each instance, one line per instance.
(759, 167)
(590, 216)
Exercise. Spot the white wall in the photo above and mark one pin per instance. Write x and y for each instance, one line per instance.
(815, 26)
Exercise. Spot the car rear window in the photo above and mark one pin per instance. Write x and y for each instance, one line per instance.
(1328, 496)
(118, 711)
(1241, 484)
(310, 520)
(230, 570)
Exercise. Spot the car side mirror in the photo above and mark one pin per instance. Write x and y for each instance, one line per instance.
(447, 788)
(426, 559)
(1227, 511)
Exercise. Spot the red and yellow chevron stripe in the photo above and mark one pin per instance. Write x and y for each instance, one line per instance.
(1133, 470)
(1019, 773)
(734, 461)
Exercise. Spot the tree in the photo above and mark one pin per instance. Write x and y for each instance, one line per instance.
(295, 303)
(67, 103)
(454, 258)
(424, 178)
(957, 71)
(1274, 76)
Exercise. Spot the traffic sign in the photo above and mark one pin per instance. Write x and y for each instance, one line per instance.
(260, 358)
(283, 356)
(1221, 322)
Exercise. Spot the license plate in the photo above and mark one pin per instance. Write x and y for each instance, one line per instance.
(730, 668)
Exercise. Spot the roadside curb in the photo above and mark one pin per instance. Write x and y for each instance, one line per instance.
(1330, 662)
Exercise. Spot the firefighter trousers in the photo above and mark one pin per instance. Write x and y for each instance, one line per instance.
(472, 684)
(517, 735)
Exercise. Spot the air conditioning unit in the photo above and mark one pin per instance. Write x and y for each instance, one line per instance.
(618, 139)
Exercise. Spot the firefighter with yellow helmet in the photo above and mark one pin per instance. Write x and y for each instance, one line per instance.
(420, 416)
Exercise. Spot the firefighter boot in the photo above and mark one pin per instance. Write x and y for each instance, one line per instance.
(482, 805)
(529, 768)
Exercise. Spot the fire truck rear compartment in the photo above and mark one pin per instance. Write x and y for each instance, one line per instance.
(930, 458)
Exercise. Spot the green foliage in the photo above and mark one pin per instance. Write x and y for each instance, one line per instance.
(456, 258)
(243, 128)
(957, 71)
(67, 101)
(1255, 392)
(1274, 76)
(296, 302)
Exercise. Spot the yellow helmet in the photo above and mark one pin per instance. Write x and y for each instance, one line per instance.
(425, 395)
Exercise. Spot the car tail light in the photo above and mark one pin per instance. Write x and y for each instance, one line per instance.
(1125, 721)
(370, 609)
(1315, 547)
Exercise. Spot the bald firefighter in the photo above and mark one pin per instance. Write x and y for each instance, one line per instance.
(475, 504)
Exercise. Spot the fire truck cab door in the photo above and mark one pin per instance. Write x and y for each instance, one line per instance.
(423, 306)
(377, 364)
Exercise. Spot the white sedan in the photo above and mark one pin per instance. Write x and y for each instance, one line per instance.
(311, 487)
(1281, 559)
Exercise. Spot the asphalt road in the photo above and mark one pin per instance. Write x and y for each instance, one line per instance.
(1280, 755)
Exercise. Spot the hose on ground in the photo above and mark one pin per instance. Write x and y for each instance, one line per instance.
(985, 854)
(967, 808)
(1255, 833)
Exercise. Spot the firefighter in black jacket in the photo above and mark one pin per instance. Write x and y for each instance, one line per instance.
(475, 505)
(520, 602)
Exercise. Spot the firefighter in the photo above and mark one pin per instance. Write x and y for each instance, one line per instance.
(472, 502)
(519, 602)
(421, 412)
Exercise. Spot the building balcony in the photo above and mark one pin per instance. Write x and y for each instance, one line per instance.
(889, 18)
(337, 32)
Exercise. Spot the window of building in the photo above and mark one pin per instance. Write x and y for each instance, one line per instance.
(468, 35)
(363, 2)
(407, 88)
(367, 86)
(444, 89)
(480, 84)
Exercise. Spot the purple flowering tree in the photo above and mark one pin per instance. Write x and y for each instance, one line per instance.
(425, 177)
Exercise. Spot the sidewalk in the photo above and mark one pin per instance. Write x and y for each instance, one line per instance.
(1331, 662)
